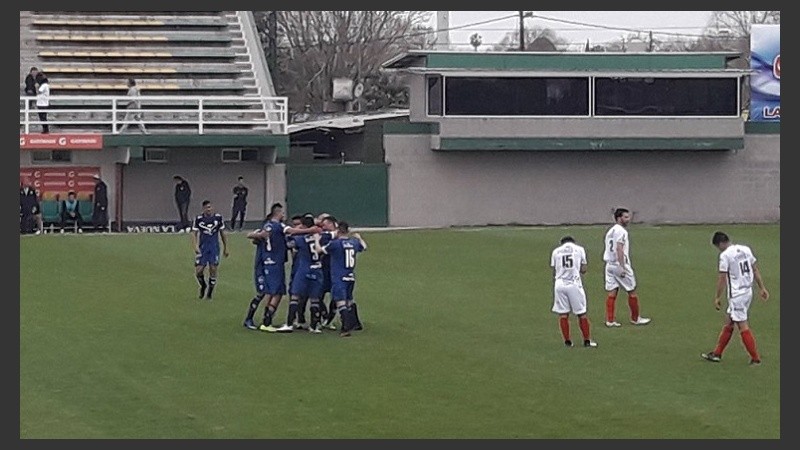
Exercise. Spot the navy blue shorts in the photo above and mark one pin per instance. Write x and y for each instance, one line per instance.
(307, 284)
(342, 290)
(270, 280)
(207, 258)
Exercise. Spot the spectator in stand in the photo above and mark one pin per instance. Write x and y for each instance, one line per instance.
(133, 107)
(30, 86)
(43, 100)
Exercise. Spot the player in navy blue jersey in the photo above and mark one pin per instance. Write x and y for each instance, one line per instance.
(328, 224)
(300, 319)
(270, 274)
(307, 280)
(207, 230)
(343, 251)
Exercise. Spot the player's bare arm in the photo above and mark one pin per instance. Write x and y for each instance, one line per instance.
(224, 238)
(363, 243)
(302, 230)
(583, 268)
(764, 293)
(722, 283)
(620, 249)
(195, 243)
(258, 234)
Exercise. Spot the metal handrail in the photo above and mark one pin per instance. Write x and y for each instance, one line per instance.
(103, 111)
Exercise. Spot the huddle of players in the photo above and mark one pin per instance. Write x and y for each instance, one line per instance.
(323, 261)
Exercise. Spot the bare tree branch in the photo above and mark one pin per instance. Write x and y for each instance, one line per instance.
(316, 46)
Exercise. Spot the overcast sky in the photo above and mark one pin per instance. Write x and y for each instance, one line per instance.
(689, 22)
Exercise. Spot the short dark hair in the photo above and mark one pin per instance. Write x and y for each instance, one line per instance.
(131, 82)
(177, 177)
(71, 193)
(34, 68)
(619, 212)
(307, 221)
(240, 178)
(343, 227)
(331, 219)
(308, 214)
(566, 239)
(719, 237)
(206, 203)
(275, 206)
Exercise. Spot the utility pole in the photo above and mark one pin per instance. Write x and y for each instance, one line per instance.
(522, 31)
(650, 47)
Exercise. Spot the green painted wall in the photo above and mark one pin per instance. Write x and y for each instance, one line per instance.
(576, 61)
(356, 193)
(762, 128)
(482, 144)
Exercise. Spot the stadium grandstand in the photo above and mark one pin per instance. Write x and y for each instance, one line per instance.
(206, 98)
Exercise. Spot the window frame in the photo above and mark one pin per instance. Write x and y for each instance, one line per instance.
(680, 77)
(589, 103)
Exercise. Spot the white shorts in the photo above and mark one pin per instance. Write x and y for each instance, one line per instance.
(569, 297)
(739, 305)
(628, 282)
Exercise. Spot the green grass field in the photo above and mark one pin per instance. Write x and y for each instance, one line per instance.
(459, 342)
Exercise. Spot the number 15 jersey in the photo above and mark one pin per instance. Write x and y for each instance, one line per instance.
(566, 261)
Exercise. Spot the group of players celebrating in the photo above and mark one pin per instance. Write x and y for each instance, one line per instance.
(323, 261)
(323, 258)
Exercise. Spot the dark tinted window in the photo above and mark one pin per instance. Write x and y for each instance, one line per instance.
(666, 97)
(516, 96)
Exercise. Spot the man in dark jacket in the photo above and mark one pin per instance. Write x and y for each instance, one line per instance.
(183, 194)
(30, 86)
(30, 213)
(100, 209)
(239, 204)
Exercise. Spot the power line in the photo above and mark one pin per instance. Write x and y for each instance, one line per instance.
(582, 29)
(632, 30)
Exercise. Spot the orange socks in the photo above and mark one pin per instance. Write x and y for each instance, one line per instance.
(724, 338)
(750, 345)
(610, 300)
(633, 303)
(583, 322)
(563, 322)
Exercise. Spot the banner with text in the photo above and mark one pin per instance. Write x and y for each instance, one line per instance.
(765, 79)
(55, 182)
(61, 141)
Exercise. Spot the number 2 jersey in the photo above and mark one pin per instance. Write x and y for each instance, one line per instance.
(737, 261)
(617, 235)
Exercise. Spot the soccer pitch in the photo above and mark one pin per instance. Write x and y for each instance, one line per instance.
(459, 342)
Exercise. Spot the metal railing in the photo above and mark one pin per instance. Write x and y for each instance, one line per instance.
(106, 113)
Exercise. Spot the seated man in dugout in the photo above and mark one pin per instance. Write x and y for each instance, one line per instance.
(70, 213)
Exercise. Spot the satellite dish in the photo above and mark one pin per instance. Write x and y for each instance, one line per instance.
(358, 90)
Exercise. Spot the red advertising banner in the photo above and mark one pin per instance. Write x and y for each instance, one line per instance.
(61, 141)
(55, 182)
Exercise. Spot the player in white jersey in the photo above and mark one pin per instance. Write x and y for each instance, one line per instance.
(569, 263)
(737, 270)
(619, 271)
